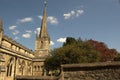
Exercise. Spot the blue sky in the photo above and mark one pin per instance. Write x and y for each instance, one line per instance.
(88, 19)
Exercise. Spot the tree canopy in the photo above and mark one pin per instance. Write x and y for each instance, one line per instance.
(72, 51)
(79, 51)
(106, 53)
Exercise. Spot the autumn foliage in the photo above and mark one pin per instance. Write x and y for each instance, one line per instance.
(77, 51)
(106, 53)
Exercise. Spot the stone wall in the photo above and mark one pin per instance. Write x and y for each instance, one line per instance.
(93, 71)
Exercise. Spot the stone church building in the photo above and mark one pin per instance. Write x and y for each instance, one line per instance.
(17, 60)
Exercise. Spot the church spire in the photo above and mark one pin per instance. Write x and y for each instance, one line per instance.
(43, 31)
(42, 43)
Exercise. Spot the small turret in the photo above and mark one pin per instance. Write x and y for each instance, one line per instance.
(1, 25)
(36, 41)
(1, 30)
(37, 37)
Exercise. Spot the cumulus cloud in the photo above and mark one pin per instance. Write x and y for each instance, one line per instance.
(73, 14)
(50, 19)
(79, 12)
(67, 15)
(52, 43)
(40, 17)
(26, 35)
(27, 19)
(28, 31)
(37, 30)
(15, 32)
(12, 27)
(62, 40)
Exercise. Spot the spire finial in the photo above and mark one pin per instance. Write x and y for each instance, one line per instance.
(45, 2)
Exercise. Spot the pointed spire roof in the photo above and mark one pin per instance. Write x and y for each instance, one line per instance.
(43, 30)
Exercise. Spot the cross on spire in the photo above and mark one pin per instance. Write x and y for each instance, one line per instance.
(45, 2)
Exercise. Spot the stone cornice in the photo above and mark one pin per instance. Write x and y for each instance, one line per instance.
(99, 64)
(15, 53)
(5, 37)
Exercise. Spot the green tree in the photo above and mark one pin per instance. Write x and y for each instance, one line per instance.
(73, 51)
(69, 41)
(117, 58)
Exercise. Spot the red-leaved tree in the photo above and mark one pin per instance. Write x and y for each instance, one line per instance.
(106, 53)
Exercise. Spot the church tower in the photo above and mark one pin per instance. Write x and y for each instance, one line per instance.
(42, 43)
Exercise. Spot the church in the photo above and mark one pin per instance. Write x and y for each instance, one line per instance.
(17, 61)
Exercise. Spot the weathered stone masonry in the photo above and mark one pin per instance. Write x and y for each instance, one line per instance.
(91, 71)
(17, 60)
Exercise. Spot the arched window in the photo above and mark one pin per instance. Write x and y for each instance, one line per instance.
(10, 70)
(9, 66)
(41, 44)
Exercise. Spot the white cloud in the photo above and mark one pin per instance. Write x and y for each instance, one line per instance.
(79, 12)
(37, 30)
(67, 15)
(28, 31)
(40, 17)
(52, 20)
(73, 14)
(27, 19)
(26, 35)
(15, 32)
(12, 27)
(52, 43)
(62, 40)
(16, 38)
